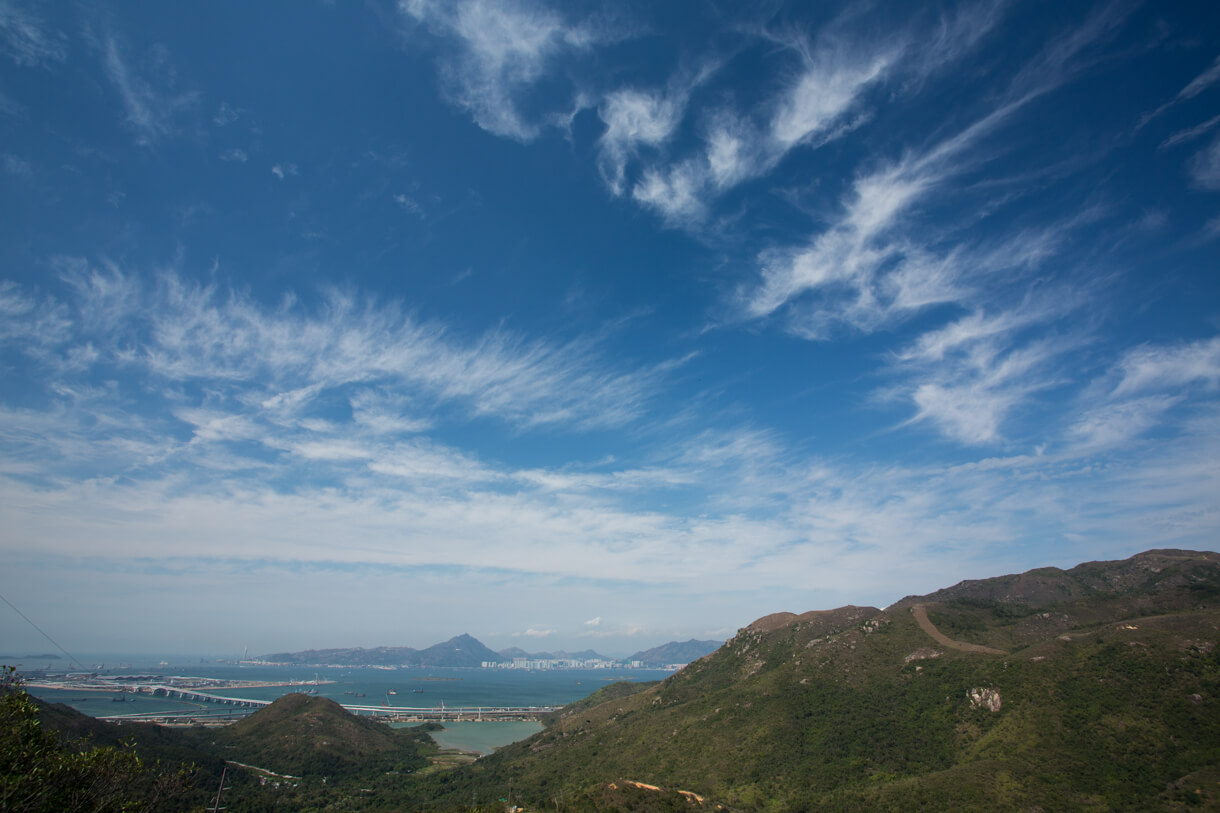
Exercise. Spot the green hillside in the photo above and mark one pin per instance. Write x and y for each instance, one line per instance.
(301, 735)
(1104, 694)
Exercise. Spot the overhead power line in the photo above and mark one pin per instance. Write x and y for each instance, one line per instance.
(43, 634)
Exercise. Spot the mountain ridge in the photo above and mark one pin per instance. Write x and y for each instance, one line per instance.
(467, 651)
(460, 650)
(676, 652)
(1096, 686)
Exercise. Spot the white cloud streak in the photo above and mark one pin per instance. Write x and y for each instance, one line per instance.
(1205, 166)
(26, 39)
(182, 332)
(823, 100)
(1190, 133)
(503, 50)
(809, 112)
(1170, 368)
(877, 264)
(633, 118)
(150, 112)
(1200, 83)
(830, 521)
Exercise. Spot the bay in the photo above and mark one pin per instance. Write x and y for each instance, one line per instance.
(481, 738)
(413, 688)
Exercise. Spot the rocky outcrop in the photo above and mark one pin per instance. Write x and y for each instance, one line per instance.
(985, 698)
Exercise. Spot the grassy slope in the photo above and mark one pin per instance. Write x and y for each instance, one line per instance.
(831, 711)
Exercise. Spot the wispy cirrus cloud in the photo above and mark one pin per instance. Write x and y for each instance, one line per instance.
(151, 105)
(856, 256)
(883, 259)
(1119, 421)
(1209, 77)
(1137, 395)
(820, 101)
(503, 50)
(966, 377)
(1204, 167)
(969, 400)
(1190, 133)
(183, 332)
(36, 323)
(869, 267)
(27, 39)
(810, 110)
(636, 118)
(255, 434)
(9, 107)
(1153, 367)
(828, 87)
(225, 115)
(15, 165)
(825, 522)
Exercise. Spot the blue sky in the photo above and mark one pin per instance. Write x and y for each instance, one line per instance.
(568, 326)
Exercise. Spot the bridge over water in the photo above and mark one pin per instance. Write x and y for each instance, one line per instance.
(400, 713)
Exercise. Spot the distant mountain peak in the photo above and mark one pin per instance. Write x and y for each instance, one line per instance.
(460, 650)
(676, 652)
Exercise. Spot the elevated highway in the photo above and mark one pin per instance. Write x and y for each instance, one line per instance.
(396, 713)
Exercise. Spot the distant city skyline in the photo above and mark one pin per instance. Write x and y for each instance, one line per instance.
(591, 325)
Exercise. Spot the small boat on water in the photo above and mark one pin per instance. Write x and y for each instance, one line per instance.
(392, 691)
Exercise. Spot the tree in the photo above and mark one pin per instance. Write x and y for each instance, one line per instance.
(40, 773)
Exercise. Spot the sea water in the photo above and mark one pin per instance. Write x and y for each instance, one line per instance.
(414, 687)
(480, 738)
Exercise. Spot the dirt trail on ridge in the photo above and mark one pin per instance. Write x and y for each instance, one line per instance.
(925, 623)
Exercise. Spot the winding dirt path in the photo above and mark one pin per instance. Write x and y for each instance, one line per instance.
(925, 624)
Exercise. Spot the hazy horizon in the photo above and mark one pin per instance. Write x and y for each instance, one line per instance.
(114, 657)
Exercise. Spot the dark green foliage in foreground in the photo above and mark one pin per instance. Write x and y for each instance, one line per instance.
(41, 772)
(308, 753)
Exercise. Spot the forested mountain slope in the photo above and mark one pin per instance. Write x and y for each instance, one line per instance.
(1096, 687)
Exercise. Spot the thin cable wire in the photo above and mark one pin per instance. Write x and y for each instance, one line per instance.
(44, 635)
